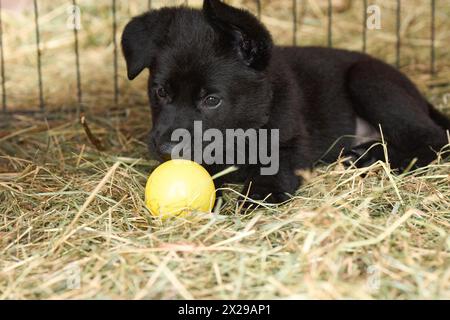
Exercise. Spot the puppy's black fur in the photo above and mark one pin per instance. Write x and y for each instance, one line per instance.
(316, 97)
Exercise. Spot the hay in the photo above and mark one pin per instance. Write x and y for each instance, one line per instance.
(73, 222)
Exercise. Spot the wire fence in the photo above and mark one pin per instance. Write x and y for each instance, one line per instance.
(295, 24)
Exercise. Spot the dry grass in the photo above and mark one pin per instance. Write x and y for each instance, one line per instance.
(70, 212)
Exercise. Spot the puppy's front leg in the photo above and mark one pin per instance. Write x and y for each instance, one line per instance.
(275, 188)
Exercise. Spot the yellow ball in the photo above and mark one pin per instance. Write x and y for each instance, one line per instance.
(179, 187)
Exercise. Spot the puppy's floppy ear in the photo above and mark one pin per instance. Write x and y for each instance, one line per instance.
(142, 38)
(249, 37)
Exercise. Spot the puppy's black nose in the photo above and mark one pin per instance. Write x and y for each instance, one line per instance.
(165, 151)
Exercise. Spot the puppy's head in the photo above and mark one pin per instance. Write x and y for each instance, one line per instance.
(207, 65)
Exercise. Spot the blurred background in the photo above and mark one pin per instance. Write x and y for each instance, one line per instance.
(300, 22)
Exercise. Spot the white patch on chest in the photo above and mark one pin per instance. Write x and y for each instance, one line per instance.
(365, 132)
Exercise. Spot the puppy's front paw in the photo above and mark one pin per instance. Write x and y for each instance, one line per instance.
(364, 156)
(271, 198)
(264, 192)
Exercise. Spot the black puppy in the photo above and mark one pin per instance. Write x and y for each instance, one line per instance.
(219, 65)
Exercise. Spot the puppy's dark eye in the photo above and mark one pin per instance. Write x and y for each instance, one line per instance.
(162, 93)
(212, 102)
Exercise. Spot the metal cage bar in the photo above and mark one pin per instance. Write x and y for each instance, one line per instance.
(38, 56)
(77, 63)
(2, 62)
(294, 18)
(330, 23)
(364, 35)
(259, 8)
(398, 33)
(116, 64)
(433, 38)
